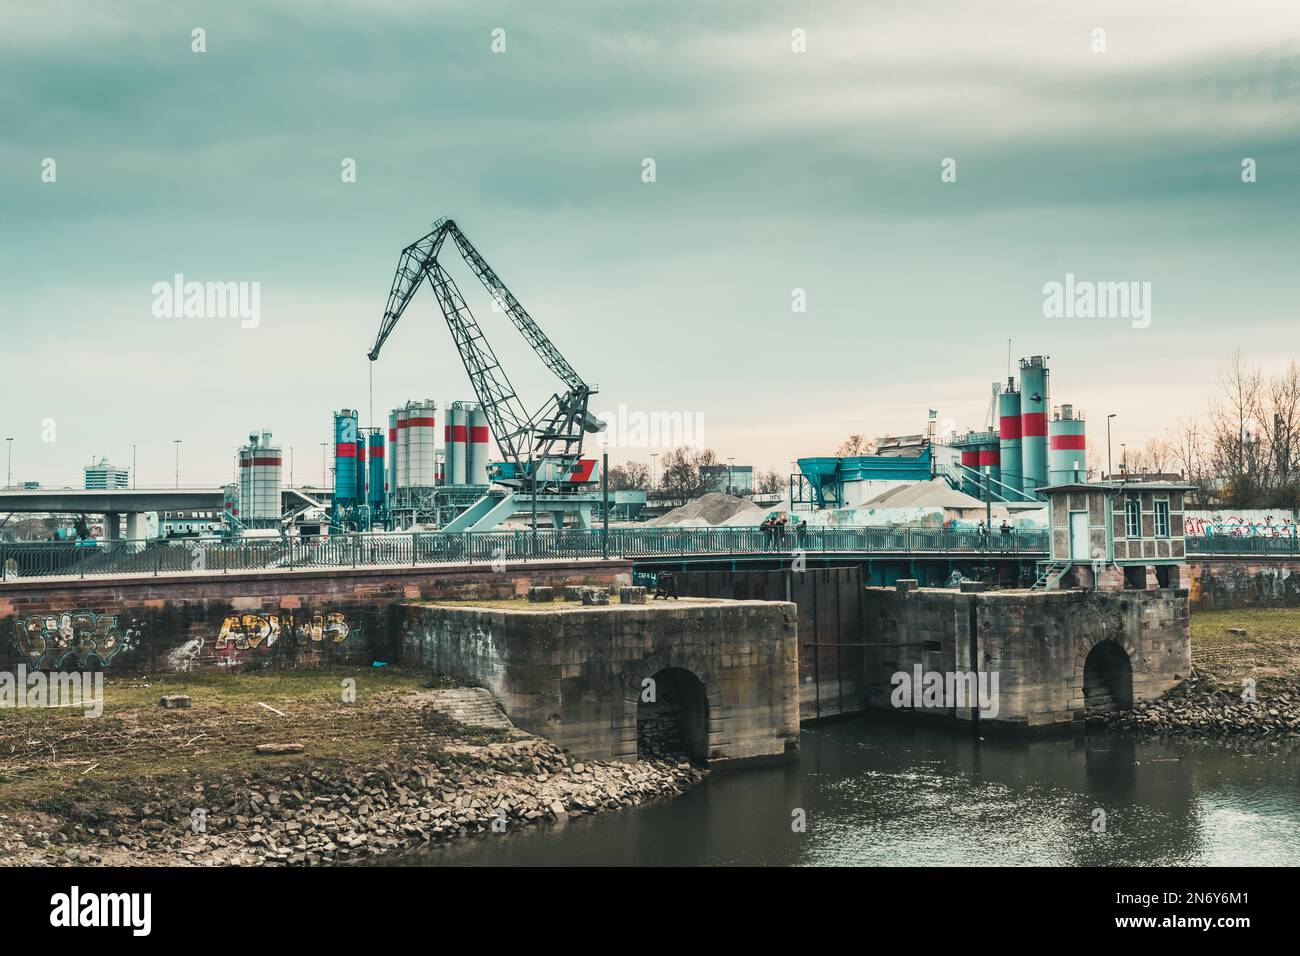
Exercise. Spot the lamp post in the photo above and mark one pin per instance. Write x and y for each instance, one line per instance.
(9, 474)
(1123, 459)
(132, 466)
(177, 443)
(1110, 469)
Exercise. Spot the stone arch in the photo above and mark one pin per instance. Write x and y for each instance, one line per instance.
(687, 676)
(1104, 677)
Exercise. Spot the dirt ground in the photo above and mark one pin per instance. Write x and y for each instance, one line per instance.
(1268, 652)
(49, 757)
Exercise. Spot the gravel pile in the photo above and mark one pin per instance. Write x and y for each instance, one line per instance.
(714, 508)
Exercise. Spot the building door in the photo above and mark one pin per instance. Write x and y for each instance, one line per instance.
(1079, 550)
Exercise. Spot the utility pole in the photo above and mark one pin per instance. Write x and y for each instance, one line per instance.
(177, 443)
(654, 469)
(324, 468)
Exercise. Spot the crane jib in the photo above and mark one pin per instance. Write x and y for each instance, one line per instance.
(555, 432)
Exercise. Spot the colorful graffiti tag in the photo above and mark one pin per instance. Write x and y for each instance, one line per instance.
(75, 638)
(1241, 524)
(258, 635)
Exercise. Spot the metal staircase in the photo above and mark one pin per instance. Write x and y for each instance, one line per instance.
(1050, 574)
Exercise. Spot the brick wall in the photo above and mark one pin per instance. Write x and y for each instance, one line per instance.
(1221, 583)
(263, 619)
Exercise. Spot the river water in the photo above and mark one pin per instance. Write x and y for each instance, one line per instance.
(883, 792)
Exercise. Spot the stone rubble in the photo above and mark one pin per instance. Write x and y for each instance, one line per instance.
(1199, 708)
(317, 817)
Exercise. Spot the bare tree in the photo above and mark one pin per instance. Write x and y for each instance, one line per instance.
(684, 475)
(633, 475)
(856, 444)
(769, 482)
(1235, 434)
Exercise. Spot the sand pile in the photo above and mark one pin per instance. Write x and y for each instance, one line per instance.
(714, 508)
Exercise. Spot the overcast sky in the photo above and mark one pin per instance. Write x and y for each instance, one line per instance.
(775, 170)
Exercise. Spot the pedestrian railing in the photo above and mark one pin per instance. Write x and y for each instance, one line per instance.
(223, 555)
(1227, 544)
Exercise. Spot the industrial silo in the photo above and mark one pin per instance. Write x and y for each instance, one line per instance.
(970, 459)
(1009, 453)
(230, 496)
(260, 467)
(1068, 451)
(401, 450)
(456, 444)
(391, 452)
(361, 468)
(990, 464)
(1033, 421)
(476, 462)
(375, 462)
(345, 458)
(421, 443)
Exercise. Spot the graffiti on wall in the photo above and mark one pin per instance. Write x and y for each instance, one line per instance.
(1256, 523)
(80, 639)
(252, 635)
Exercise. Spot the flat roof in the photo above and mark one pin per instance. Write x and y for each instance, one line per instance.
(1118, 486)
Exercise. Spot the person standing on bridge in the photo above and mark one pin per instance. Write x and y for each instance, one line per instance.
(1006, 535)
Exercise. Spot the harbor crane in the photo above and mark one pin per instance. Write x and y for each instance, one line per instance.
(542, 467)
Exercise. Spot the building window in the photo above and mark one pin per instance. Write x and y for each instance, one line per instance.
(1162, 519)
(1132, 517)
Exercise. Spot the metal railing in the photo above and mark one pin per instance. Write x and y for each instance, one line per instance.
(207, 556)
(1227, 544)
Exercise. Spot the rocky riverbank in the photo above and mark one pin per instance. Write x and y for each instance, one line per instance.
(1202, 707)
(445, 779)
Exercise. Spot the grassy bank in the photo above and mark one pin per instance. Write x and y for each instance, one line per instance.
(391, 770)
(51, 757)
(1268, 652)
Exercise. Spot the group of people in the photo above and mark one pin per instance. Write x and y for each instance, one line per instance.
(1005, 531)
(773, 529)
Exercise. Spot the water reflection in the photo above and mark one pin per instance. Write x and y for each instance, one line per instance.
(882, 792)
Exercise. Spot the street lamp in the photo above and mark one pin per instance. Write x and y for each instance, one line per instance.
(132, 466)
(177, 443)
(1110, 469)
(9, 474)
(1123, 460)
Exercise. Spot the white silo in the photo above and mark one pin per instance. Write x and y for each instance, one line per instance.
(456, 446)
(421, 443)
(477, 444)
(261, 465)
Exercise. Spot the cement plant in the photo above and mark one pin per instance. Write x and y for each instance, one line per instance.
(880, 544)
